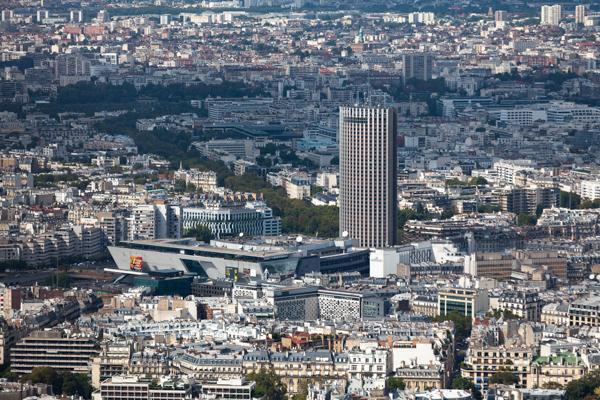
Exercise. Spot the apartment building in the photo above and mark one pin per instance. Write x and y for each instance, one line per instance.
(113, 360)
(526, 305)
(589, 189)
(312, 303)
(483, 361)
(295, 367)
(422, 377)
(559, 368)
(209, 367)
(555, 314)
(526, 200)
(205, 181)
(585, 312)
(63, 243)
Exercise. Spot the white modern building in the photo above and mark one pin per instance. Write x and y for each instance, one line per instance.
(551, 15)
(233, 218)
(590, 189)
(154, 221)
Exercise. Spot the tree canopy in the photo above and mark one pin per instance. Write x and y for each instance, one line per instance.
(297, 216)
(268, 384)
(63, 383)
(583, 388)
(503, 378)
(201, 232)
(462, 324)
(393, 382)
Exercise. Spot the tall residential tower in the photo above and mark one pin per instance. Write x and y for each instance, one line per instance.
(368, 194)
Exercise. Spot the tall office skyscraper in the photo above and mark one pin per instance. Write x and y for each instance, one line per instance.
(368, 188)
(417, 66)
(551, 15)
(580, 14)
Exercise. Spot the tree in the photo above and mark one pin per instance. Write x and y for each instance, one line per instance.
(393, 382)
(526, 219)
(62, 382)
(268, 384)
(503, 378)
(297, 216)
(552, 385)
(201, 232)
(302, 390)
(569, 199)
(46, 375)
(581, 388)
(76, 385)
(488, 208)
(454, 182)
(467, 385)
(462, 383)
(462, 324)
(539, 209)
(478, 181)
(179, 186)
(60, 280)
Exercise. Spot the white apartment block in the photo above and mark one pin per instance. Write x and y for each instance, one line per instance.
(522, 116)
(551, 15)
(154, 221)
(507, 169)
(590, 189)
(375, 363)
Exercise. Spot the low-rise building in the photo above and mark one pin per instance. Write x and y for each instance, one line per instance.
(53, 349)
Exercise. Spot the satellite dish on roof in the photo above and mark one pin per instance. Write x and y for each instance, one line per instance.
(241, 235)
(299, 239)
(592, 276)
(345, 234)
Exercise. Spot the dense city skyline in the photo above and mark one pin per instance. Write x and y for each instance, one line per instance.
(299, 199)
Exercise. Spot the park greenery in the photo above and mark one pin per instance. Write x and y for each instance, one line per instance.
(504, 314)
(150, 100)
(63, 383)
(473, 181)
(51, 180)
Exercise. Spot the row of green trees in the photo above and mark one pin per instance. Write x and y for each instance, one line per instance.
(269, 385)
(95, 92)
(63, 383)
(298, 216)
